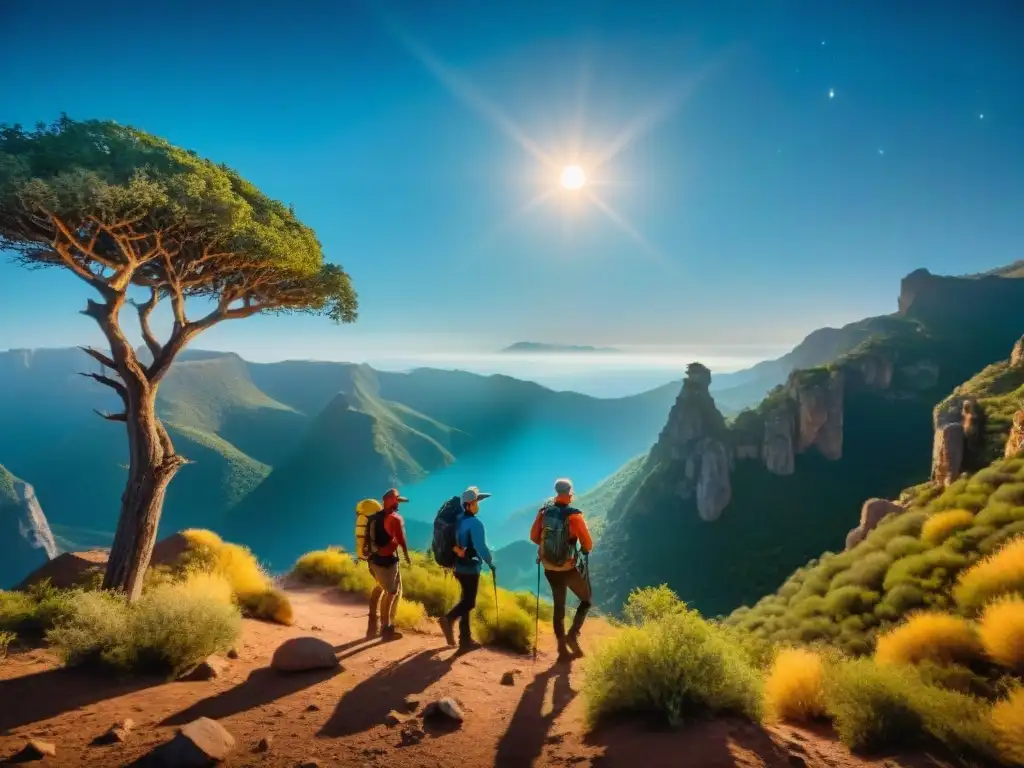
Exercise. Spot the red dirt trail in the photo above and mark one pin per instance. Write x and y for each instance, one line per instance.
(338, 717)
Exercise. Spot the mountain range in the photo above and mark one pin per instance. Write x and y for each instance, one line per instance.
(280, 452)
(535, 347)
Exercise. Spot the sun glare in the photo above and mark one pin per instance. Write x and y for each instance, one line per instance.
(573, 177)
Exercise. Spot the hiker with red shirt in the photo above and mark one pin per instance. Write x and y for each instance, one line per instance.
(561, 536)
(385, 533)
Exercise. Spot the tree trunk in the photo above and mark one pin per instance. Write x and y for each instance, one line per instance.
(152, 466)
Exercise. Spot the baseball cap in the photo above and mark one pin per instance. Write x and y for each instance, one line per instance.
(563, 486)
(393, 493)
(473, 494)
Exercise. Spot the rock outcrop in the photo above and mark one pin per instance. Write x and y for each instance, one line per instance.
(26, 541)
(778, 449)
(819, 401)
(1015, 442)
(872, 513)
(948, 453)
(694, 443)
(1017, 355)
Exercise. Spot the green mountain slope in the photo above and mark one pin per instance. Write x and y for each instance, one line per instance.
(724, 513)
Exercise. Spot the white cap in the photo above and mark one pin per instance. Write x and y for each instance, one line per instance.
(473, 494)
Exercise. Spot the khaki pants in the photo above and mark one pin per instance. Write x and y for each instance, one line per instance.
(386, 594)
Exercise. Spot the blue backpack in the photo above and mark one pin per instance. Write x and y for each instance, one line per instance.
(556, 545)
(445, 523)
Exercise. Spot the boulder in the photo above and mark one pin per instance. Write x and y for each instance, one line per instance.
(119, 732)
(36, 749)
(872, 512)
(1017, 355)
(208, 669)
(202, 742)
(301, 654)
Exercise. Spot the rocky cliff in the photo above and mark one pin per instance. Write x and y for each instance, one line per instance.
(26, 541)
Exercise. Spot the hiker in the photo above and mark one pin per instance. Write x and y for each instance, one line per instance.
(472, 552)
(561, 536)
(385, 533)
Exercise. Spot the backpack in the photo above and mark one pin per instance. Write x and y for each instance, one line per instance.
(377, 536)
(364, 511)
(445, 523)
(556, 545)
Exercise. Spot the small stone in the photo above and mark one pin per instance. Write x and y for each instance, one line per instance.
(300, 654)
(411, 703)
(412, 735)
(37, 750)
(197, 744)
(232, 654)
(446, 708)
(509, 678)
(118, 732)
(264, 744)
(209, 669)
(312, 708)
(395, 718)
(797, 762)
(315, 628)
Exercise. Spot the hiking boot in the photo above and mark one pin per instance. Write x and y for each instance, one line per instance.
(446, 627)
(371, 628)
(390, 633)
(572, 644)
(466, 646)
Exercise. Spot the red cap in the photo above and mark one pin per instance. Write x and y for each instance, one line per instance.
(392, 493)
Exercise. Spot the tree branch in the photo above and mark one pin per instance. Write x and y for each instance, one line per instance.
(103, 360)
(111, 416)
(145, 310)
(117, 386)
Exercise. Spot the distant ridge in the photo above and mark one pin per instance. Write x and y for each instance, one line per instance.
(538, 346)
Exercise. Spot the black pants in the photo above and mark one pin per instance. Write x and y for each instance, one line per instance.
(469, 583)
(561, 582)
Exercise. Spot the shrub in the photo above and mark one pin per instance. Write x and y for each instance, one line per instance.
(942, 525)
(528, 603)
(171, 629)
(410, 615)
(930, 636)
(929, 570)
(326, 566)
(903, 546)
(512, 627)
(1007, 720)
(6, 638)
(876, 707)
(251, 586)
(842, 602)
(1001, 629)
(651, 604)
(30, 614)
(673, 667)
(793, 688)
(998, 514)
(899, 601)
(1000, 573)
(868, 572)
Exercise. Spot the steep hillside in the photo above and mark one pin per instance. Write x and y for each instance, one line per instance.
(27, 539)
(786, 480)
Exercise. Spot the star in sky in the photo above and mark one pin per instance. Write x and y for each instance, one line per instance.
(831, 93)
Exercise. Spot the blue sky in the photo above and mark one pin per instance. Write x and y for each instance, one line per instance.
(759, 207)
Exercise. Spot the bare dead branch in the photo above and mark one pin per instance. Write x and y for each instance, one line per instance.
(102, 359)
(145, 310)
(111, 416)
(115, 385)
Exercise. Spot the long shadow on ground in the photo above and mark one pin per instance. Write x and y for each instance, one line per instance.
(261, 687)
(528, 730)
(40, 696)
(723, 743)
(369, 702)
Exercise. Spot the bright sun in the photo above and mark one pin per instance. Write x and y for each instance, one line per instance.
(573, 177)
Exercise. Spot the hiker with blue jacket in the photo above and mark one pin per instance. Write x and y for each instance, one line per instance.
(472, 551)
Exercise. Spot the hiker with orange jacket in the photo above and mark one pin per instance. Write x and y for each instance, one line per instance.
(561, 536)
(385, 533)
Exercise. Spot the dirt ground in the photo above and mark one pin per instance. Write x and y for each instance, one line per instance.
(340, 717)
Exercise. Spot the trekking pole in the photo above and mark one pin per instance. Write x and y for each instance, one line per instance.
(497, 616)
(536, 621)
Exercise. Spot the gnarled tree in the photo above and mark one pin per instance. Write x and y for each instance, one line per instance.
(123, 210)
